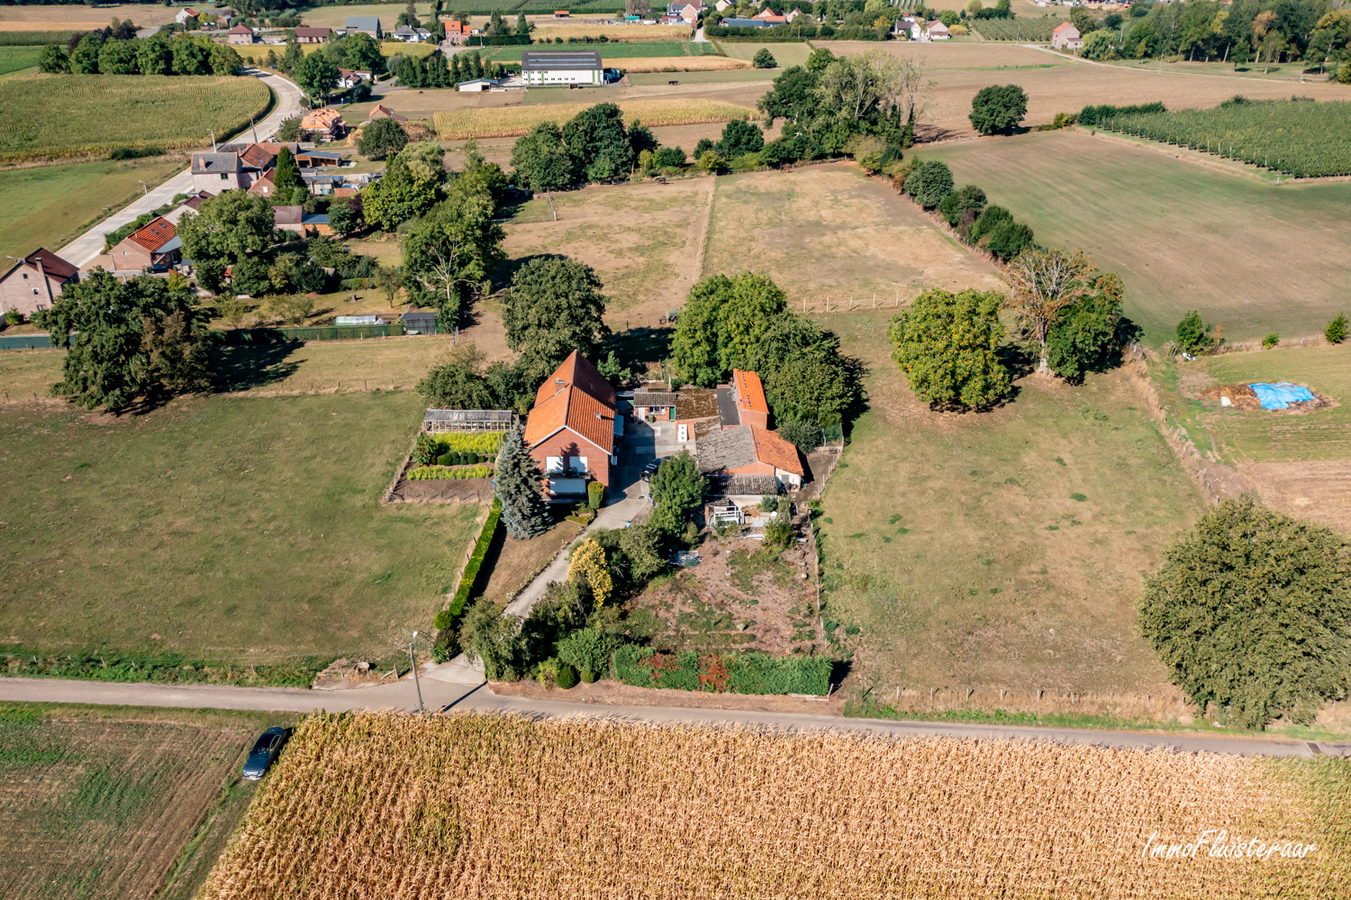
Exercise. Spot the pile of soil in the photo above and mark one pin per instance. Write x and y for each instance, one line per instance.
(1240, 395)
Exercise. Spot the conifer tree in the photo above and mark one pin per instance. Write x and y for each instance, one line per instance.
(518, 481)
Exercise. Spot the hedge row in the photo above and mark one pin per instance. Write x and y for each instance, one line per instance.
(487, 442)
(460, 458)
(442, 473)
(739, 673)
(1094, 115)
(471, 569)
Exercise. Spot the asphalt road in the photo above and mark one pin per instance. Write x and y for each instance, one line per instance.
(90, 244)
(440, 694)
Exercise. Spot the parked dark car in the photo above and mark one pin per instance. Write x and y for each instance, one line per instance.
(265, 750)
(651, 469)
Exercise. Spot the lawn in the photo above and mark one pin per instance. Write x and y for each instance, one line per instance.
(134, 111)
(229, 529)
(831, 233)
(1001, 549)
(14, 59)
(117, 802)
(46, 206)
(71, 17)
(1182, 235)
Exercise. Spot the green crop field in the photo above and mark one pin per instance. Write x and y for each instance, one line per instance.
(16, 59)
(230, 529)
(45, 206)
(1303, 138)
(1252, 256)
(1022, 30)
(105, 803)
(995, 549)
(92, 114)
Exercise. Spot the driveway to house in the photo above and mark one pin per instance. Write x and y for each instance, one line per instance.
(446, 696)
(90, 244)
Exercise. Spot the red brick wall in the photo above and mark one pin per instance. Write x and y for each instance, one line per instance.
(567, 444)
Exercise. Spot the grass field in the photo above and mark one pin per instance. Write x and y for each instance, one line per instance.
(511, 121)
(785, 54)
(223, 528)
(830, 232)
(134, 111)
(117, 802)
(473, 806)
(1111, 199)
(45, 206)
(72, 17)
(16, 59)
(1041, 557)
(388, 13)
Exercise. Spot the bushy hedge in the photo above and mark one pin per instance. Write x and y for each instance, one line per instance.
(1093, 115)
(738, 673)
(431, 447)
(471, 569)
(441, 473)
(458, 458)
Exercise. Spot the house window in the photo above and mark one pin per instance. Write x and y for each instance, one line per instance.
(553, 464)
(581, 464)
(224, 176)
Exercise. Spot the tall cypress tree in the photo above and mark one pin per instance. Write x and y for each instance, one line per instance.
(518, 481)
(455, 70)
(287, 175)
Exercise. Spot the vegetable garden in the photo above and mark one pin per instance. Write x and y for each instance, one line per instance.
(450, 456)
(1303, 138)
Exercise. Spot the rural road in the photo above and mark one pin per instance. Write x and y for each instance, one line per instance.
(443, 695)
(90, 244)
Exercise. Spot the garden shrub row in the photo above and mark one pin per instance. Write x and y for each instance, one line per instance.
(976, 221)
(442, 473)
(458, 458)
(447, 617)
(431, 447)
(1094, 115)
(739, 673)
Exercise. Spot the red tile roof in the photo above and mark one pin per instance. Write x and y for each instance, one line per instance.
(259, 156)
(52, 264)
(240, 29)
(575, 397)
(155, 235)
(775, 451)
(749, 391)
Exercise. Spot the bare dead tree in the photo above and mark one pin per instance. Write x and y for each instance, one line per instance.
(1043, 283)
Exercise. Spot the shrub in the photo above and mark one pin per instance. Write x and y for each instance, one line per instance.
(763, 59)
(1063, 120)
(471, 569)
(1251, 612)
(929, 183)
(963, 206)
(589, 651)
(1191, 334)
(1336, 330)
(805, 436)
(595, 494)
(588, 677)
(566, 677)
(13, 317)
(740, 673)
(998, 108)
(441, 473)
(1270, 341)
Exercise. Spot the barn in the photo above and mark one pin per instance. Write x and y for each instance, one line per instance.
(560, 67)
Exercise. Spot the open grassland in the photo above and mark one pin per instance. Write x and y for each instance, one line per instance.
(72, 17)
(1298, 461)
(474, 806)
(649, 265)
(16, 59)
(132, 111)
(1000, 549)
(117, 802)
(831, 233)
(45, 206)
(230, 529)
(517, 120)
(387, 13)
(1056, 83)
(785, 54)
(1124, 205)
(1298, 138)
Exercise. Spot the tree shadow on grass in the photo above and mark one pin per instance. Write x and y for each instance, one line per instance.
(243, 367)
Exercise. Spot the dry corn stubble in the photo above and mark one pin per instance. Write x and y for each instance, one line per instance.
(469, 805)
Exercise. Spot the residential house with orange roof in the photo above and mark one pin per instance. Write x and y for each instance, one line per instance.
(1066, 37)
(384, 112)
(34, 282)
(265, 186)
(324, 124)
(572, 428)
(456, 33)
(154, 246)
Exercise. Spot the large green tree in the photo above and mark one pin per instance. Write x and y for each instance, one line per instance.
(519, 485)
(1251, 610)
(947, 345)
(227, 228)
(397, 197)
(454, 247)
(721, 325)
(1043, 283)
(1084, 335)
(677, 490)
(998, 109)
(286, 175)
(542, 160)
(317, 76)
(128, 340)
(598, 142)
(457, 382)
(553, 308)
(381, 139)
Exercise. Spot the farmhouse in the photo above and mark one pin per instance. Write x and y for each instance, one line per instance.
(771, 17)
(541, 67)
(186, 13)
(241, 34)
(313, 35)
(34, 282)
(324, 124)
(678, 13)
(1066, 37)
(155, 246)
(456, 33)
(215, 172)
(364, 25)
(193, 203)
(749, 450)
(571, 430)
(264, 187)
(411, 35)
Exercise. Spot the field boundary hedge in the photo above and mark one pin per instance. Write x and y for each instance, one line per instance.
(750, 672)
(475, 563)
(306, 333)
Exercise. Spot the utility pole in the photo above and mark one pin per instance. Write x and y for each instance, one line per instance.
(148, 207)
(413, 663)
(213, 139)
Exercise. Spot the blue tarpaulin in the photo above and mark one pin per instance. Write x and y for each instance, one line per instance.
(1280, 396)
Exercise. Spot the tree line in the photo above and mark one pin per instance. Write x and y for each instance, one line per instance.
(97, 53)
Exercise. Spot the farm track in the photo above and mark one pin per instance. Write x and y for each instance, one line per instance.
(467, 695)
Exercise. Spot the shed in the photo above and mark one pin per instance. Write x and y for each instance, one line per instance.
(419, 322)
(545, 67)
(448, 420)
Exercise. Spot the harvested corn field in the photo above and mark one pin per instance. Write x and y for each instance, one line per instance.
(511, 121)
(677, 64)
(479, 806)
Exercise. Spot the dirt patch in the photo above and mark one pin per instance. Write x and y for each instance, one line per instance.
(612, 693)
(1319, 491)
(344, 674)
(450, 490)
